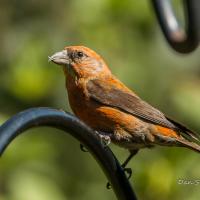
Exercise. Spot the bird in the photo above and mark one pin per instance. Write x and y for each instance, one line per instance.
(116, 112)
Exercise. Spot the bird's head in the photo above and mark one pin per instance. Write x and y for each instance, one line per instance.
(80, 61)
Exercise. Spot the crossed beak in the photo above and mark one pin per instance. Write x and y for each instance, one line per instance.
(60, 58)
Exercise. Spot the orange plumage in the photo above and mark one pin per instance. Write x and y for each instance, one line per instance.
(98, 98)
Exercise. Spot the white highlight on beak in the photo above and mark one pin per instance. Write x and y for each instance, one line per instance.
(60, 58)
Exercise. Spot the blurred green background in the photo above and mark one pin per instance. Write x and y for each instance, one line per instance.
(45, 165)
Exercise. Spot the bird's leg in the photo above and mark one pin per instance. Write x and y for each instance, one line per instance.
(132, 154)
(124, 164)
(126, 170)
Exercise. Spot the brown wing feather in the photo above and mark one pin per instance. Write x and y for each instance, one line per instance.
(185, 130)
(108, 94)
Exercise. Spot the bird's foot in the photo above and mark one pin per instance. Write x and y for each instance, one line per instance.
(105, 140)
(127, 171)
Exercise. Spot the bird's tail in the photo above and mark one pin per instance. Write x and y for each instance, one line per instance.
(191, 145)
(185, 131)
(188, 138)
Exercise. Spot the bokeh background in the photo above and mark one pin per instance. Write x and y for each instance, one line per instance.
(45, 165)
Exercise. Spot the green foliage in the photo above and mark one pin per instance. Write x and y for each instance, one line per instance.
(46, 165)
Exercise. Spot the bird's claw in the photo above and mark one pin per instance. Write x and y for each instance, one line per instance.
(105, 140)
(108, 186)
(128, 171)
(82, 147)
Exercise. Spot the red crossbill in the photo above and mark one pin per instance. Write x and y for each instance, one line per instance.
(104, 103)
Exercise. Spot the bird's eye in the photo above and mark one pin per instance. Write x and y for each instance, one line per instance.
(80, 54)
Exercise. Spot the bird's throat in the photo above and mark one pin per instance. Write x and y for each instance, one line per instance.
(69, 71)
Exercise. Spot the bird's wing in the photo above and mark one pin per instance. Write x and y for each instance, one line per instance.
(109, 94)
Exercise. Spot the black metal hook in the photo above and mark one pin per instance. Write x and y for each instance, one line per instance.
(183, 41)
(36, 117)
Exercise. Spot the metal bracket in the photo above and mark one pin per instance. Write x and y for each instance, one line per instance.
(37, 117)
(183, 41)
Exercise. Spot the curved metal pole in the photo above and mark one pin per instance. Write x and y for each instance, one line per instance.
(183, 41)
(36, 117)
